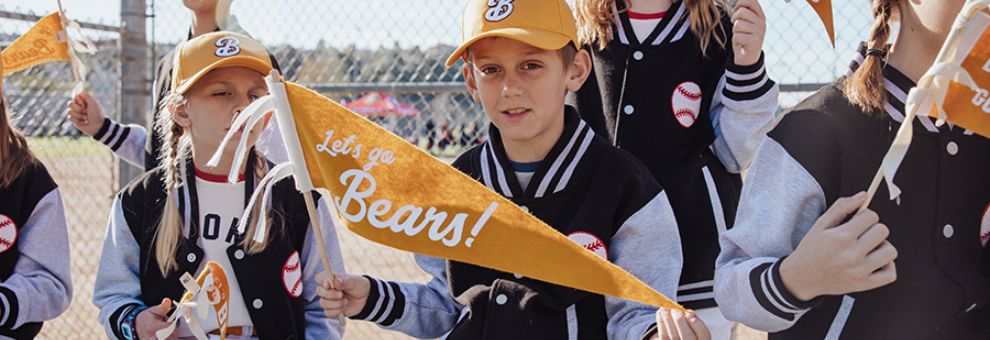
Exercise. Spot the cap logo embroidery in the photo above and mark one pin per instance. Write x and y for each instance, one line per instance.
(227, 46)
(498, 10)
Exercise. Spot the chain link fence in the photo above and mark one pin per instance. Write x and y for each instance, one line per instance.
(383, 58)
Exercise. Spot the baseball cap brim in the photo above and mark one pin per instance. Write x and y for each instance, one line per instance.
(541, 39)
(235, 61)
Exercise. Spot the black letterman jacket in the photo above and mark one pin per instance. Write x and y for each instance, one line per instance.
(35, 285)
(585, 188)
(129, 277)
(826, 148)
(632, 96)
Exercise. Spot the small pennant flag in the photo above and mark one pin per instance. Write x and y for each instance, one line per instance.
(45, 42)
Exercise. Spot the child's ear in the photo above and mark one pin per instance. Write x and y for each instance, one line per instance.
(179, 114)
(579, 70)
(470, 82)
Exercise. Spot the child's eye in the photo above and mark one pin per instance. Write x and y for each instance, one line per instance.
(253, 97)
(532, 66)
(221, 94)
(489, 69)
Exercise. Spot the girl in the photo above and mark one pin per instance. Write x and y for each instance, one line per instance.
(682, 86)
(34, 246)
(179, 216)
(804, 269)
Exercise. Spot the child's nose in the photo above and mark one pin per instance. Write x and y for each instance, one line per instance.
(512, 86)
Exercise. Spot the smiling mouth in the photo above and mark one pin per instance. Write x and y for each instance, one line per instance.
(516, 112)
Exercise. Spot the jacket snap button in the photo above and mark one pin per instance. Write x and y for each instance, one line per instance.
(191, 257)
(948, 230)
(628, 109)
(952, 148)
(257, 303)
(638, 55)
(239, 254)
(501, 299)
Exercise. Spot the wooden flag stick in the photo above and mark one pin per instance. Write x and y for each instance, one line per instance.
(314, 220)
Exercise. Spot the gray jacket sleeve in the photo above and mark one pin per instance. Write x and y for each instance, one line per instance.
(126, 141)
(319, 326)
(419, 310)
(648, 246)
(742, 112)
(779, 204)
(118, 284)
(40, 288)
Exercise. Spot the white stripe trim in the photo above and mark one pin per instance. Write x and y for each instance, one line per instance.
(618, 24)
(717, 211)
(391, 301)
(840, 318)
(6, 307)
(774, 287)
(113, 133)
(572, 323)
(557, 162)
(670, 25)
(747, 88)
(699, 284)
(378, 304)
(485, 174)
(894, 113)
(577, 159)
(680, 33)
(696, 297)
(769, 292)
(746, 76)
(506, 189)
(895, 90)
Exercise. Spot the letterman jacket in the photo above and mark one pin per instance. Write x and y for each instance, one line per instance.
(600, 197)
(34, 254)
(128, 275)
(694, 120)
(826, 148)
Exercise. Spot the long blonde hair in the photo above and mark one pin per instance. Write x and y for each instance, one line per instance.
(864, 88)
(15, 156)
(178, 146)
(595, 19)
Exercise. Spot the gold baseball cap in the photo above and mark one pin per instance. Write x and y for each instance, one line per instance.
(200, 55)
(545, 24)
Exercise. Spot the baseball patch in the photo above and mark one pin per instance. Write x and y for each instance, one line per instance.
(985, 226)
(590, 242)
(8, 233)
(292, 275)
(227, 47)
(685, 103)
(498, 10)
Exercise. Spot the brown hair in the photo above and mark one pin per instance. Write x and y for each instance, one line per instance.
(14, 153)
(177, 147)
(864, 88)
(595, 19)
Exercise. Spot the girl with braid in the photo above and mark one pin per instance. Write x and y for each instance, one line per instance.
(802, 263)
(177, 217)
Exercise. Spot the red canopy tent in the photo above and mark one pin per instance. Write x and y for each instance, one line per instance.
(378, 104)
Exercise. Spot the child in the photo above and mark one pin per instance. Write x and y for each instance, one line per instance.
(682, 86)
(131, 141)
(35, 285)
(798, 266)
(520, 61)
(177, 217)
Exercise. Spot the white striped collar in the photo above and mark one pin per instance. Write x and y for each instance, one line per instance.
(897, 86)
(671, 28)
(555, 171)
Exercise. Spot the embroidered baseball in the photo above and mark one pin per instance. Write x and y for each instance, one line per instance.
(498, 10)
(8, 233)
(292, 275)
(227, 47)
(590, 242)
(985, 226)
(685, 102)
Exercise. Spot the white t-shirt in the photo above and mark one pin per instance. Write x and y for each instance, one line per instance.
(220, 207)
(643, 24)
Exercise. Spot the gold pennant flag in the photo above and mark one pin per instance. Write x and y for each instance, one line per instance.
(213, 281)
(963, 105)
(45, 42)
(393, 193)
(824, 10)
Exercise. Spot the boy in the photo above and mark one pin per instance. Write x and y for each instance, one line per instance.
(543, 157)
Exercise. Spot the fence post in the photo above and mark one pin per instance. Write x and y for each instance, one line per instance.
(133, 101)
